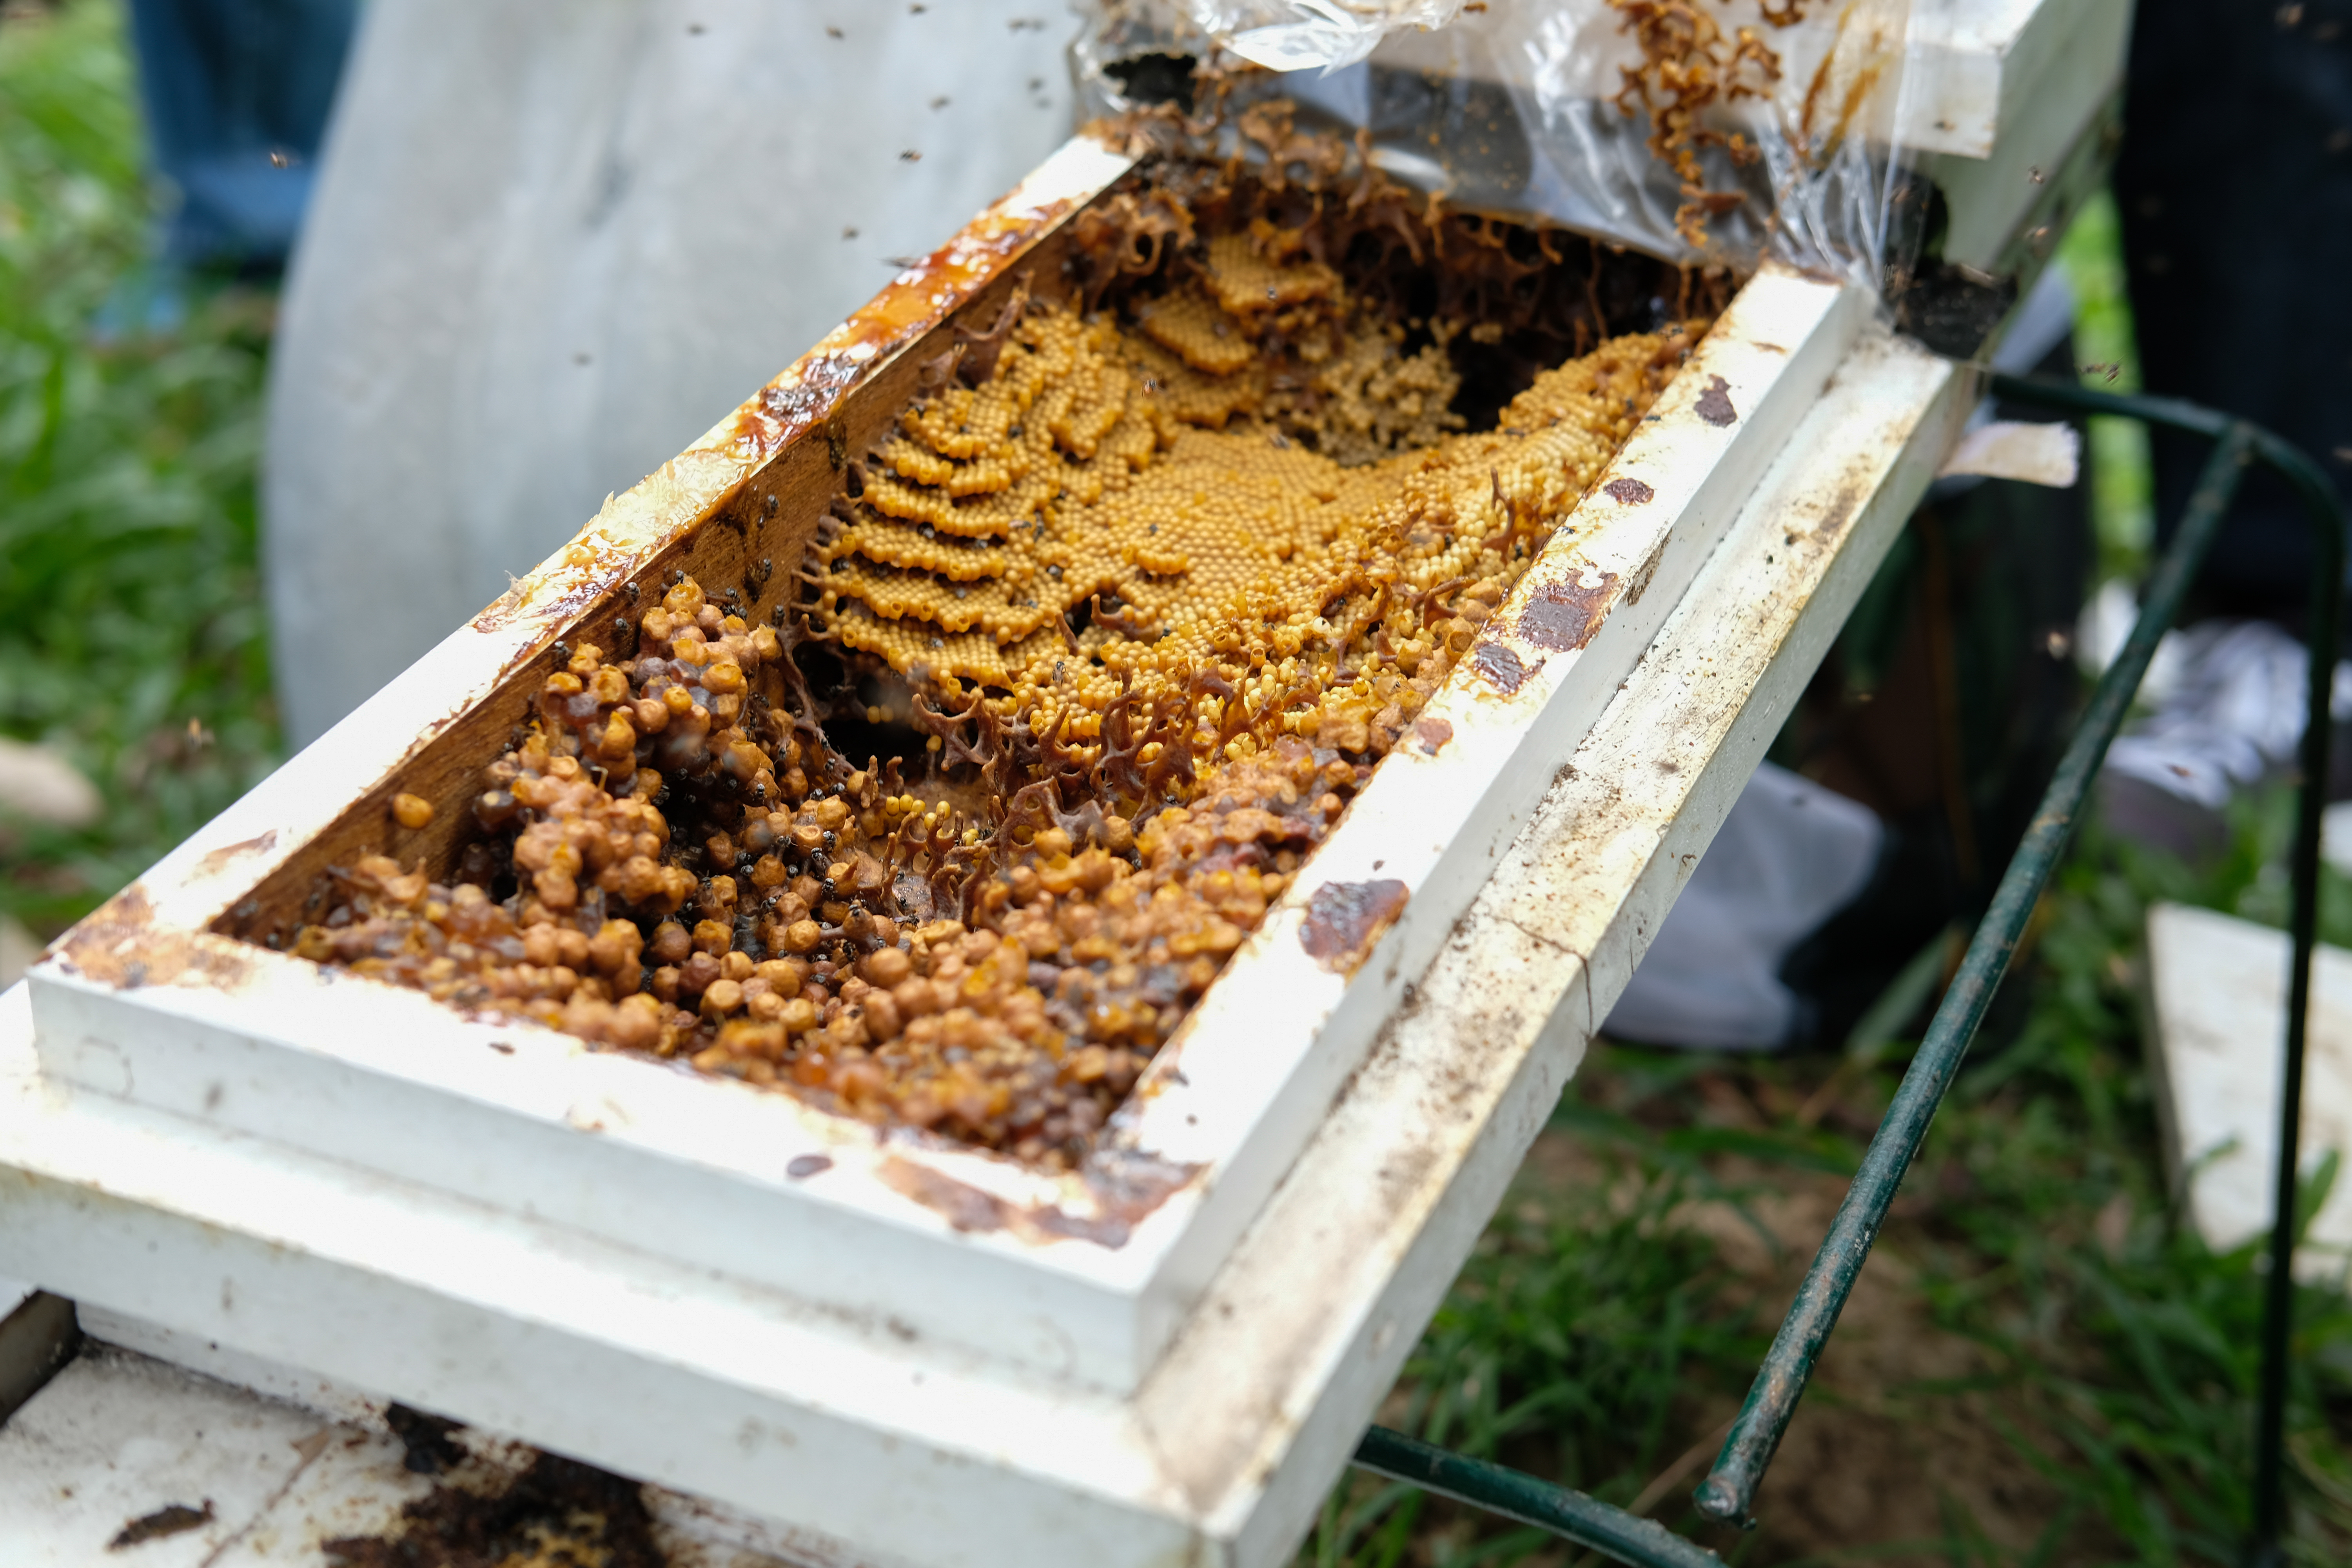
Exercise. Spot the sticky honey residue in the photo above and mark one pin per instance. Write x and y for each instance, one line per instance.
(1145, 582)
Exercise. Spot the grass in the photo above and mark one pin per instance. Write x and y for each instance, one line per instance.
(133, 638)
(2062, 1372)
(2138, 1343)
(1563, 1348)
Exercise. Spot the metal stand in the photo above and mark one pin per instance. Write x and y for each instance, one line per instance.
(1728, 1492)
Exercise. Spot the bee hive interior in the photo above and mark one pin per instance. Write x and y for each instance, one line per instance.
(949, 823)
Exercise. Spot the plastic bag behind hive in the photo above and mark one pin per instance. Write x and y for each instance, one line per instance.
(1312, 35)
(1704, 131)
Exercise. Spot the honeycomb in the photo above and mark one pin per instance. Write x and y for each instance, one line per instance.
(1123, 504)
(1152, 584)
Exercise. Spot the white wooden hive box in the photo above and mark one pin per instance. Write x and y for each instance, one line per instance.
(881, 1282)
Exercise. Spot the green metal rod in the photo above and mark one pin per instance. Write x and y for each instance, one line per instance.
(2325, 509)
(1730, 1490)
(2311, 485)
(2278, 1306)
(1584, 1519)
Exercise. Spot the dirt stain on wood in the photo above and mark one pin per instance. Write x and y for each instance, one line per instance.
(122, 944)
(556, 1512)
(967, 1208)
(1503, 669)
(259, 844)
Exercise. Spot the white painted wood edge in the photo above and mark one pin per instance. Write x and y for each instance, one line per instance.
(2048, 455)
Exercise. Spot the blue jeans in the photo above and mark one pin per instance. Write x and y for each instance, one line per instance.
(237, 94)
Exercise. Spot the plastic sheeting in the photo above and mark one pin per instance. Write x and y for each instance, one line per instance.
(1521, 108)
(1314, 35)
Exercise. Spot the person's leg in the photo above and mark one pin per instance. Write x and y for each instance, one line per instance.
(2234, 187)
(237, 94)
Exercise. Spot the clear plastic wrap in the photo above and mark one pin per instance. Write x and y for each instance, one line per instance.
(1698, 130)
(1312, 35)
